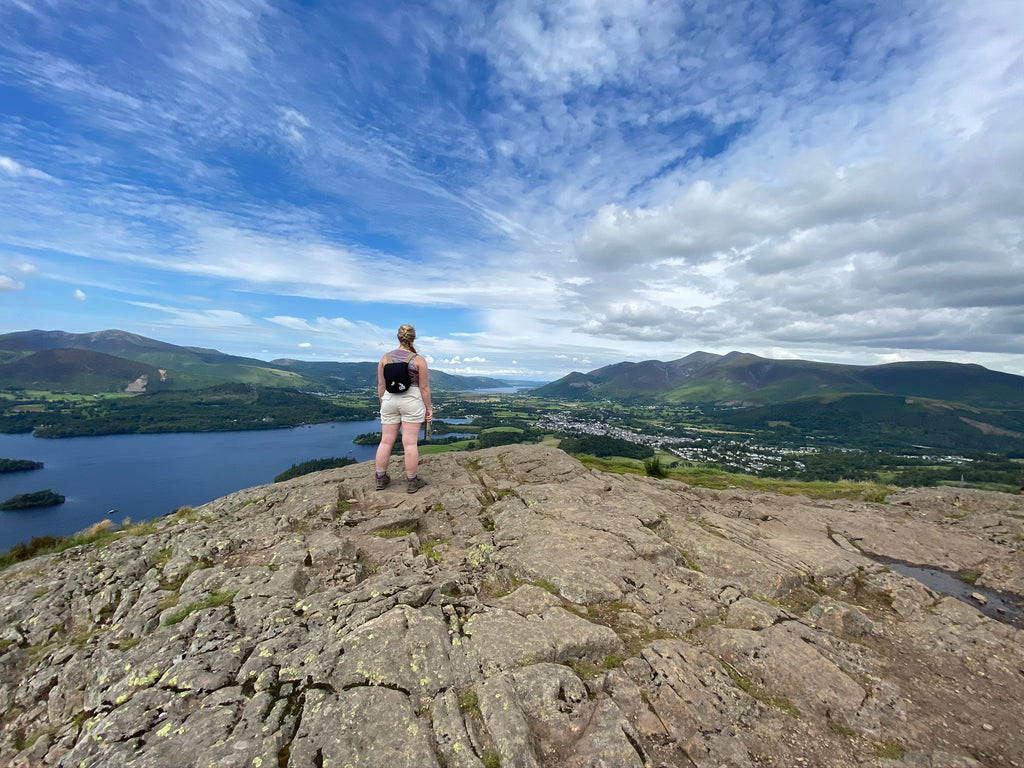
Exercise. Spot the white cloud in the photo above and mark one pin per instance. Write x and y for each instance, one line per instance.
(305, 345)
(79, 295)
(13, 168)
(582, 181)
(9, 284)
(292, 124)
(220, 319)
(23, 267)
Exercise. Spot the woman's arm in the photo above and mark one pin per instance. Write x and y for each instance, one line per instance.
(380, 379)
(424, 382)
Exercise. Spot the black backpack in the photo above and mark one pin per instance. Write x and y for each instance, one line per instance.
(396, 375)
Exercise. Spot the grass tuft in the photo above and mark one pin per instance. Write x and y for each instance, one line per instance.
(216, 599)
(890, 750)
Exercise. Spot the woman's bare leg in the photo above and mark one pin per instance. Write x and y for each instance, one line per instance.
(388, 435)
(410, 443)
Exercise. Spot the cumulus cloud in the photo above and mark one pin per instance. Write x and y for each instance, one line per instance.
(587, 180)
(79, 295)
(23, 267)
(825, 252)
(9, 284)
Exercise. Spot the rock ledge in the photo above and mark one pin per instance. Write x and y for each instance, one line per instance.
(521, 611)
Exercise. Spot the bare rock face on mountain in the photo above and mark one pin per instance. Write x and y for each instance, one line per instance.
(521, 611)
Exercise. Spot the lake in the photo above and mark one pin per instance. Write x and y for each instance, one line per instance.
(146, 476)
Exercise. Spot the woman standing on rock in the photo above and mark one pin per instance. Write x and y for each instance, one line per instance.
(405, 403)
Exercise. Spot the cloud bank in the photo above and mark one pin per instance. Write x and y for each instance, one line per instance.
(538, 186)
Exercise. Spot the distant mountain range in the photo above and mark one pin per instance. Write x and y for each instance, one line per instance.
(936, 404)
(747, 380)
(946, 406)
(113, 361)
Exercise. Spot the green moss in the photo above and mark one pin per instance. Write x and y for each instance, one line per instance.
(547, 586)
(79, 718)
(491, 759)
(163, 557)
(368, 566)
(23, 742)
(689, 562)
(705, 525)
(430, 549)
(799, 600)
(396, 533)
(585, 670)
(706, 477)
(748, 686)
(173, 585)
(469, 703)
(841, 730)
(970, 576)
(613, 661)
(890, 750)
(216, 599)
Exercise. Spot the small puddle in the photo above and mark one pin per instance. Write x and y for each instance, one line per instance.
(1001, 606)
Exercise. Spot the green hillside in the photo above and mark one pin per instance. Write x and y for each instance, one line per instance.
(886, 421)
(745, 379)
(226, 407)
(91, 363)
(946, 406)
(75, 370)
(968, 384)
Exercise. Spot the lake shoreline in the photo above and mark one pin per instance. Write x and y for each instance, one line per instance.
(146, 476)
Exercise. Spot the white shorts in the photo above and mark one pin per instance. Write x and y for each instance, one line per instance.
(408, 406)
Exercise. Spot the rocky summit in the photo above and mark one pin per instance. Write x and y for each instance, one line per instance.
(520, 611)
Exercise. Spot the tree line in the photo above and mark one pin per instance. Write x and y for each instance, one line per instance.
(19, 465)
(225, 407)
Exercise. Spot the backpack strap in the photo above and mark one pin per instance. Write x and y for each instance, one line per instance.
(389, 359)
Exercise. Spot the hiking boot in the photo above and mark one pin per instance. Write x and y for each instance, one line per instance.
(382, 482)
(411, 486)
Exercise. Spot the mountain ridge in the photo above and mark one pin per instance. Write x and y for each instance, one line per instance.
(188, 367)
(747, 379)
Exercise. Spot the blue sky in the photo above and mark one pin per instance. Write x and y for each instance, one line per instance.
(538, 187)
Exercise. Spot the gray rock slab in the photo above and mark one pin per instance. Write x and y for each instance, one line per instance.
(366, 725)
(541, 614)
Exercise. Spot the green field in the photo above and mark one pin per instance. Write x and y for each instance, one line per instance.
(707, 477)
